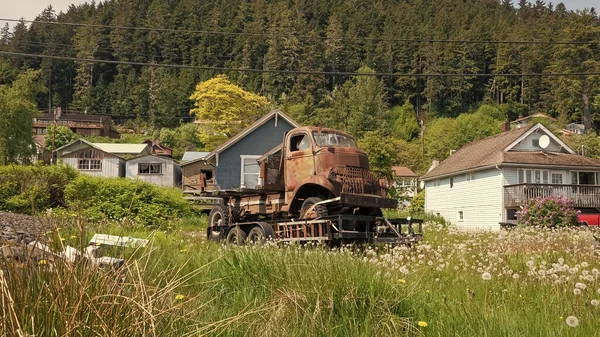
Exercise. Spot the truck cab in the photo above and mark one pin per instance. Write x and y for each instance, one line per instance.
(320, 164)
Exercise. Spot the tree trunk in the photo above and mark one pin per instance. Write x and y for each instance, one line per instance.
(587, 115)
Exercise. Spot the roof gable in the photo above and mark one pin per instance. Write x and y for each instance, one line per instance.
(274, 114)
(534, 133)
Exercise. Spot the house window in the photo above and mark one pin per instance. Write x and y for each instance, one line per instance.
(557, 178)
(470, 176)
(535, 142)
(89, 160)
(250, 172)
(436, 183)
(584, 178)
(149, 168)
(460, 216)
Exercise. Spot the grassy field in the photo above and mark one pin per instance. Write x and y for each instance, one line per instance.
(517, 283)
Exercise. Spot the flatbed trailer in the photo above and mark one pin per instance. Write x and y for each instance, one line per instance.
(334, 229)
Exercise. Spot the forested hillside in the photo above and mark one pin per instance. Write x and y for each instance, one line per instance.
(418, 59)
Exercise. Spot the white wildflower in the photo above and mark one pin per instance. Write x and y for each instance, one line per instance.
(577, 291)
(572, 321)
(486, 276)
(594, 303)
(584, 264)
(579, 285)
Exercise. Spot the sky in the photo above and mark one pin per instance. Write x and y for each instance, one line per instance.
(29, 9)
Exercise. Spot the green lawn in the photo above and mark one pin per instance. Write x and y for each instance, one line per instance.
(182, 285)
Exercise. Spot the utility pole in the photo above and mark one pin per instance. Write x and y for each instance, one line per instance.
(53, 134)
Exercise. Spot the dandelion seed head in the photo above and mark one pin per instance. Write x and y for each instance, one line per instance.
(486, 276)
(594, 303)
(572, 321)
(577, 291)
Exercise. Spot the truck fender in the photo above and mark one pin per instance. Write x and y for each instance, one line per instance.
(320, 181)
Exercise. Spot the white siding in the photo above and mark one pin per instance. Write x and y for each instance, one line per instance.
(527, 143)
(170, 171)
(511, 175)
(111, 167)
(480, 200)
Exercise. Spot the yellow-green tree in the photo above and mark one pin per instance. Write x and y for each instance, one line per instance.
(223, 109)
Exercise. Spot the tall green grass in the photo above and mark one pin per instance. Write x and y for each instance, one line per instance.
(182, 285)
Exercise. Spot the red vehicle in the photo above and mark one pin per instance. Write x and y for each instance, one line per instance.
(589, 217)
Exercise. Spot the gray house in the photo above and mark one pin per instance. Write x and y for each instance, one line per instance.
(158, 170)
(99, 159)
(233, 164)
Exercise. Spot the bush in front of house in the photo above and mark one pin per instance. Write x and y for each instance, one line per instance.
(116, 198)
(553, 211)
(32, 189)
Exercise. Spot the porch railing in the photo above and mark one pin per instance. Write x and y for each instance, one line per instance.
(584, 196)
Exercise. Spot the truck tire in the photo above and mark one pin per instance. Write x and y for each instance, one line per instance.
(236, 236)
(320, 210)
(256, 235)
(218, 213)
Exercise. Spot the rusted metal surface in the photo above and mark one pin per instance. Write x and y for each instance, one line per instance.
(372, 201)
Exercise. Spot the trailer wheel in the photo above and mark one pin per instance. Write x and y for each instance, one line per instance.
(318, 210)
(217, 214)
(256, 235)
(236, 236)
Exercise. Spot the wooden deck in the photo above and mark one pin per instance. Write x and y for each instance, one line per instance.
(584, 196)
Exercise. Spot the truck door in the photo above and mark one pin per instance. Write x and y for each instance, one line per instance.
(299, 159)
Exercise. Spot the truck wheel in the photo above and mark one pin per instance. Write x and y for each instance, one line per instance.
(256, 235)
(218, 213)
(236, 236)
(318, 211)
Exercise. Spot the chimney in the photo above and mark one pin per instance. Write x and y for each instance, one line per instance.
(434, 164)
(506, 126)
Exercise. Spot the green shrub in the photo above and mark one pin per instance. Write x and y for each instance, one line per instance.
(30, 189)
(118, 198)
(548, 212)
(417, 204)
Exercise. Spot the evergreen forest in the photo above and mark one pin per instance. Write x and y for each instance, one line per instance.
(373, 68)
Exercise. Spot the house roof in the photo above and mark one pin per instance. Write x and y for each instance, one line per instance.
(112, 148)
(401, 171)
(153, 156)
(116, 148)
(535, 115)
(74, 117)
(495, 150)
(275, 113)
(192, 155)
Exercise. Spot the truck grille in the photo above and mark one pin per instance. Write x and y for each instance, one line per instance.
(357, 180)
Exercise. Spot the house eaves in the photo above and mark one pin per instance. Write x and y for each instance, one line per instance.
(276, 113)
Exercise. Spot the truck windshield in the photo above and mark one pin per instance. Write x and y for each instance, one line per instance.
(324, 139)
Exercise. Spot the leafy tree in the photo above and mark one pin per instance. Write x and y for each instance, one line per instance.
(17, 110)
(381, 151)
(405, 122)
(62, 136)
(359, 105)
(223, 109)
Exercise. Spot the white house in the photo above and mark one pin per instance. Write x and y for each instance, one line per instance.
(158, 170)
(486, 182)
(99, 159)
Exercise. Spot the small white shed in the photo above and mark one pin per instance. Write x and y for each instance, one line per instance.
(157, 170)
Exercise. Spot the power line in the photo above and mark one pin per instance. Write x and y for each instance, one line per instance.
(312, 37)
(295, 72)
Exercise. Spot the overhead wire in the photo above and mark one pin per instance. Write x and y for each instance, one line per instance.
(296, 72)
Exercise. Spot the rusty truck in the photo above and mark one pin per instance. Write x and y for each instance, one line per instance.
(315, 186)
